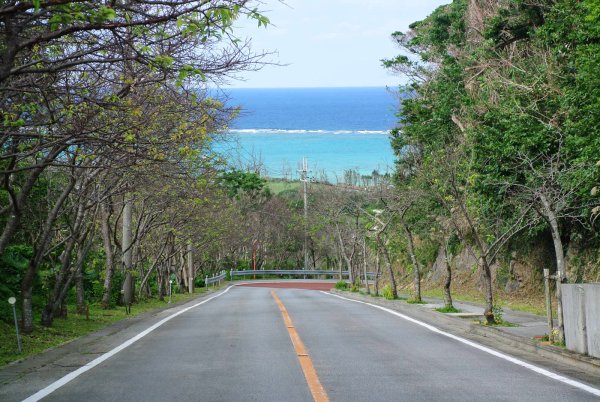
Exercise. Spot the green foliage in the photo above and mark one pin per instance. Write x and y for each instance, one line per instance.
(498, 313)
(68, 14)
(484, 121)
(502, 274)
(341, 285)
(387, 292)
(118, 280)
(237, 182)
(13, 264)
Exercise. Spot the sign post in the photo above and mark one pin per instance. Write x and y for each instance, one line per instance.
(12, 302)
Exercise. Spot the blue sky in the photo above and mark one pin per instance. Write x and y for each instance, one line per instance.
(330, 43)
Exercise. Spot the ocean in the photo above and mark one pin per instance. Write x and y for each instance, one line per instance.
(336, 129)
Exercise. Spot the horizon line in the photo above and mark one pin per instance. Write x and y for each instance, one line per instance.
(315, 87)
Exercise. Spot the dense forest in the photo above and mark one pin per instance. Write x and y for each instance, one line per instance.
(498, 148)
(111, 187)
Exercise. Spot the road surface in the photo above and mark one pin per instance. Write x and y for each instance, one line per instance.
(244, 346)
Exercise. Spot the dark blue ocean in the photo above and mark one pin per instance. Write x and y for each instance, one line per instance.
(335, 128)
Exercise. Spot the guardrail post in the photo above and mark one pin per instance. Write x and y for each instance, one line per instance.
(206, 281)
(231, 275)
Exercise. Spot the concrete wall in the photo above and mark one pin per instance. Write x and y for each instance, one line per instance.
(592, 315)
(581, 313)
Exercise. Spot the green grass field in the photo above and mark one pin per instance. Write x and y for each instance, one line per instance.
(278, 186)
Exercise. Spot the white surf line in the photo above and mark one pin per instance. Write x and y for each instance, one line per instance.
(74, 374)
(539, 370)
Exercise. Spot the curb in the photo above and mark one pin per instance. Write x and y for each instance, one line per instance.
(587, 363)
(590, 365)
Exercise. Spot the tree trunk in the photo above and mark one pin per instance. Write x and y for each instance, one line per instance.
(365, 266)
(560, 262)
(12, 223)
(344, 256)
(108, 251)
(413, 258)
(127, 250)
(160, 282)
(448, 281)
(38, 254)
(14, 218)
(377, 270)
(183, 285)
(27, 315)
(53, 304)
(489, 291)
(190, 262)
(388, 264)
(80, 290)
(78, 235)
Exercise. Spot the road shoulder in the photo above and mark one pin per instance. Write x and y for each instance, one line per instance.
(571, 364)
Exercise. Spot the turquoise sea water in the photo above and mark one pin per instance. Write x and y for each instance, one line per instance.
(335, 128)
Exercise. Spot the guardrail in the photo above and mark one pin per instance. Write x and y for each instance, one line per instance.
(215, 279)
(294, 272)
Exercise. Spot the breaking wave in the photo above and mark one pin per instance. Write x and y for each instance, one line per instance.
(283, 131)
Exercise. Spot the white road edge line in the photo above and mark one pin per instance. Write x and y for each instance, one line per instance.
(74, 374)
(539, 370)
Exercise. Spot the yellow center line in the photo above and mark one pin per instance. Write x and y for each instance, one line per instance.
(316, 389)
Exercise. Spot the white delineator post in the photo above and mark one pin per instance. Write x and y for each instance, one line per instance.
(12, 301)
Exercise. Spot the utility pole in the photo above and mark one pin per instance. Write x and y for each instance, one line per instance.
(304, 179)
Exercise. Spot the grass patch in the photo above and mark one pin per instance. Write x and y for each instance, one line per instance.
(73, 327)
(528, 305)
(415, 301)
(448, 309)
(497, 323)
(277, 187)
(341, 285)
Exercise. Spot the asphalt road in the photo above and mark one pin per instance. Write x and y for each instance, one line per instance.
(236, 347)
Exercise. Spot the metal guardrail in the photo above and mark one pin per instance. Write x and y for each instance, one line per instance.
(293, 272)
(215, 279)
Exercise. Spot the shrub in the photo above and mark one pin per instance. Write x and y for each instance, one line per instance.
(341, 285)
(388, 292)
